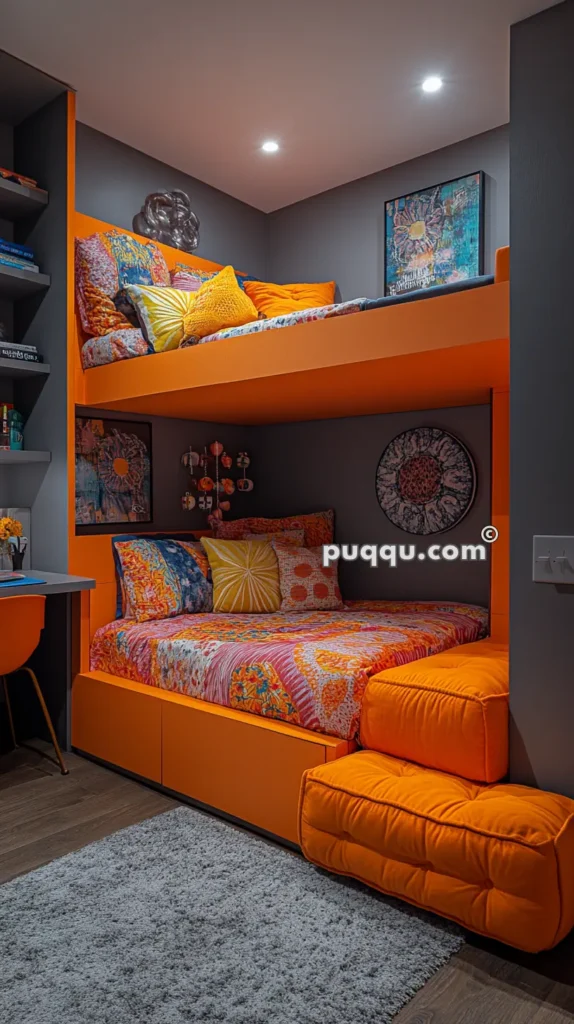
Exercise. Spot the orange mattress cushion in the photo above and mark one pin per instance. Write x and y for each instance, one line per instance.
(449, 711)
(497, 859)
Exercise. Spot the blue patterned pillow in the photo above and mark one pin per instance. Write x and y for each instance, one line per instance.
(159, 577)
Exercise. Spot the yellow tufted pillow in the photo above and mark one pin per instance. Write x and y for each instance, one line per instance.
(162, 314)
(245, 575)
(220, 303)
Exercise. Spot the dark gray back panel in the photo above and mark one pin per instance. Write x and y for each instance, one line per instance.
(339, 234)
(112, 181)
(170, 438)
(542, 375)
(307, 467)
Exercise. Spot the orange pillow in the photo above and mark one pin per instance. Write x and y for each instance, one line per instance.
(280, 299)
(306, 584)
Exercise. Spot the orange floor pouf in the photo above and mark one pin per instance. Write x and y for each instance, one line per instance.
(498, 859)
(449, 711)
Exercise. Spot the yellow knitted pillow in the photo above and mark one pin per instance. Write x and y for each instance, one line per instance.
(245, 575)
(220, 303)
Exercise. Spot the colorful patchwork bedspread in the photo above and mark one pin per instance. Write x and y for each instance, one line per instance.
(128, 344)
(301, 316)
(307, 668)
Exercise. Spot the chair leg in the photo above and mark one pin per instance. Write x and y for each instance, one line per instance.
(9, 710)
(46, 713)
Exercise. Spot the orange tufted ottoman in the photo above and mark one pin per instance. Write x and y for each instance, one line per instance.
(449, 711)
(498, 859)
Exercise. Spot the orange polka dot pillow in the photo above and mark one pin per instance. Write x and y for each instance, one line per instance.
(306, 584)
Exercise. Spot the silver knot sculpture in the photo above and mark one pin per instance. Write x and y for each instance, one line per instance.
(167, 217)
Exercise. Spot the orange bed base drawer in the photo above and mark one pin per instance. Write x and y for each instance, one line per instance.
(240, 764)
(119, 722)
(245, 766)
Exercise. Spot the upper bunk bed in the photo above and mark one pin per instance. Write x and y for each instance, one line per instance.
(451, 349)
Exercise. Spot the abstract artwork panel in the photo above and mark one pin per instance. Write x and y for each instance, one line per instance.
(435, 236)
(113, 471)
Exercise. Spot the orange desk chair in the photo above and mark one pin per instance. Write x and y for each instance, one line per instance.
(21, 622)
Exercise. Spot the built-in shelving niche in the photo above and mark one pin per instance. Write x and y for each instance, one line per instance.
(34, 138)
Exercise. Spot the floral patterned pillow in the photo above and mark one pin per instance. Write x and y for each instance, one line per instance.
(287, 536)
(306, 584)
(162, 578)
(317, 526)
(189, 280)
(105, 263)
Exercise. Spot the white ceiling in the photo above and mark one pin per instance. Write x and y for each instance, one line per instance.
(200, 84)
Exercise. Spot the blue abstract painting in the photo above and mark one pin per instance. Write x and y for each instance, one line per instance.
(434, 236)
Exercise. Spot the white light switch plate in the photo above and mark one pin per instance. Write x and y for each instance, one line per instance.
(553, 559)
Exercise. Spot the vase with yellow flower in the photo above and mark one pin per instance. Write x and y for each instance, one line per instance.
(10, 542)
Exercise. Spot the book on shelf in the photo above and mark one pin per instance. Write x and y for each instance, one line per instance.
(16, 345)
(18, 264)
(20, 355)
(20, 179)
(23, 252)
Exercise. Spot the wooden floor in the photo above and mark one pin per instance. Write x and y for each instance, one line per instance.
(44, 815)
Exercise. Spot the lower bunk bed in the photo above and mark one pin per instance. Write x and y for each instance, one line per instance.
(231, 710)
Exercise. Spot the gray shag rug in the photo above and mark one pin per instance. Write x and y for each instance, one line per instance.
(186, 918)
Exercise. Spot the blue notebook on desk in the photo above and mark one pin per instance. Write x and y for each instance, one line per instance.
(21, 582)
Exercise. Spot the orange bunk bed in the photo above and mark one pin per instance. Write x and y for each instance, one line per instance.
(448, 351)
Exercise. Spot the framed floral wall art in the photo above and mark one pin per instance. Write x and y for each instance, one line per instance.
(435, 236)
(113, 471)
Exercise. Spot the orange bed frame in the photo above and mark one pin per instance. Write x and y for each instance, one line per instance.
(454, 352)
(238, 764)
(247, 767)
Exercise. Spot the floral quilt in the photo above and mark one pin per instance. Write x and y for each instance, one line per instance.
(306, 668)
(127, 344)
(301, 316)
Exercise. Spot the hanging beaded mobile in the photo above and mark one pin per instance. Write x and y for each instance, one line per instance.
(244, 483)
(213, 486)
(189, 459)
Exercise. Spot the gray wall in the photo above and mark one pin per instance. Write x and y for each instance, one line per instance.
(112, 181)
(339, 234)
(40, 146)
(6, 146)
(306, 467)
(542, 373)
(170, 438)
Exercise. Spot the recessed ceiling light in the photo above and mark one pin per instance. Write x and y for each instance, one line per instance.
(432, 84)
(270, 146)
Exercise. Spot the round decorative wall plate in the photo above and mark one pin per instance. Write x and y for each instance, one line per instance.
(426, 481)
